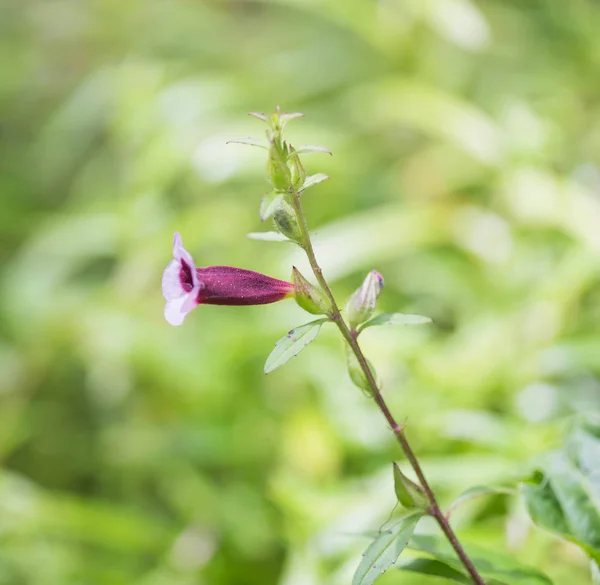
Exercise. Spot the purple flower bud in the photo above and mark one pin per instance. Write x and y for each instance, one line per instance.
(361, 305)
(185, 287)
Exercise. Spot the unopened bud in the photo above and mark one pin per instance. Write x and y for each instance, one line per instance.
(357, 374)
(308, 296)
(298, 174)
(277, 170)
(361, 305)
(287, 223)
(409, 494)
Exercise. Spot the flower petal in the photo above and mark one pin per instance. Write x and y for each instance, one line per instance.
(171, 282)
(180, 253)
(191, 301)
(174, 310)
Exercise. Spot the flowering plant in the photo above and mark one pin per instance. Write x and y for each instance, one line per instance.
(548, 495)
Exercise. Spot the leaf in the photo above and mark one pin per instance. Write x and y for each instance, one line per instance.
(564, 497)
(385, 550)
(396, 319)
(269, 204)
(292, 344)
(476, 492)
(285, 118)
(491, 565)
(268, 236)
(595, 572)
(307, 148)
(260, 116)
(313, 180)
(249, 142)
(437, 569)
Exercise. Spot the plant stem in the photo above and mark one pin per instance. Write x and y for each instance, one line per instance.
(336, 316)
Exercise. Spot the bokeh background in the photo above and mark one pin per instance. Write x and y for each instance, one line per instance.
(466, 140)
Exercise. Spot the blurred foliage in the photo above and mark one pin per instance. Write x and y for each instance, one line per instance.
(466, 169)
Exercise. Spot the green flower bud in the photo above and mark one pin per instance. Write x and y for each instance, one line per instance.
(308, 296)
(361, 305)
(298, 174)
(409, 494)
(286, 221)
(357, 375)
(278, 171)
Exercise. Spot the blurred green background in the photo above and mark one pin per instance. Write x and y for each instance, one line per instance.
(466, 169)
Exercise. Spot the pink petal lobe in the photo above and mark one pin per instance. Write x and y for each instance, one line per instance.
(171, 283)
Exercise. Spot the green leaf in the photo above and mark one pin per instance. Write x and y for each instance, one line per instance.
(595, 572)
(313, 180)
(248, 142)
(385, 550)
(260, 116)
(476, 492)
(564, 497)
(269, 204)
(490, 564)
(437, 569)
(267, 236)
(285, 118)
(396, 319)
(307, 148)
(292, 344)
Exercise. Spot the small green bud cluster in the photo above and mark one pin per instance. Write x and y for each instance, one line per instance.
(287, 175)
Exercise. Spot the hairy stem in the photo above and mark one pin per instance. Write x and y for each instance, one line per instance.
(336, 316)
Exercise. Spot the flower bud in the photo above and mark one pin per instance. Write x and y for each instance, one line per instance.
(298, 174)
(409, 494)
(308, 296)
(361, 305)
(277, 170)
(357, 375)
(287, 223)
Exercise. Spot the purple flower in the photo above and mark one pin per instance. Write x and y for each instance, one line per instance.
(185, 287)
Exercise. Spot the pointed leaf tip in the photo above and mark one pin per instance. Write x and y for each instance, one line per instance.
(313, 180)
(248, 142)
(259, 115)
(307, 148)
(285, 118)
(267, 236)
(292, 344)
(397, 319)
(385, 550)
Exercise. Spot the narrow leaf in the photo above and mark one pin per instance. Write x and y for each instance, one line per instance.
(396, 319)
(595, 571)
(260, 116)
(437, 569)
(490, 564)
(292, 344)
(285, 118)
(313, 180)
(385, 550)
(249, 142)
(269, 204)
(307, 148)
(267, 236)
(477, 492)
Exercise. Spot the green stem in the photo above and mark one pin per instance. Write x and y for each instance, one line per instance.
(398, 430)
